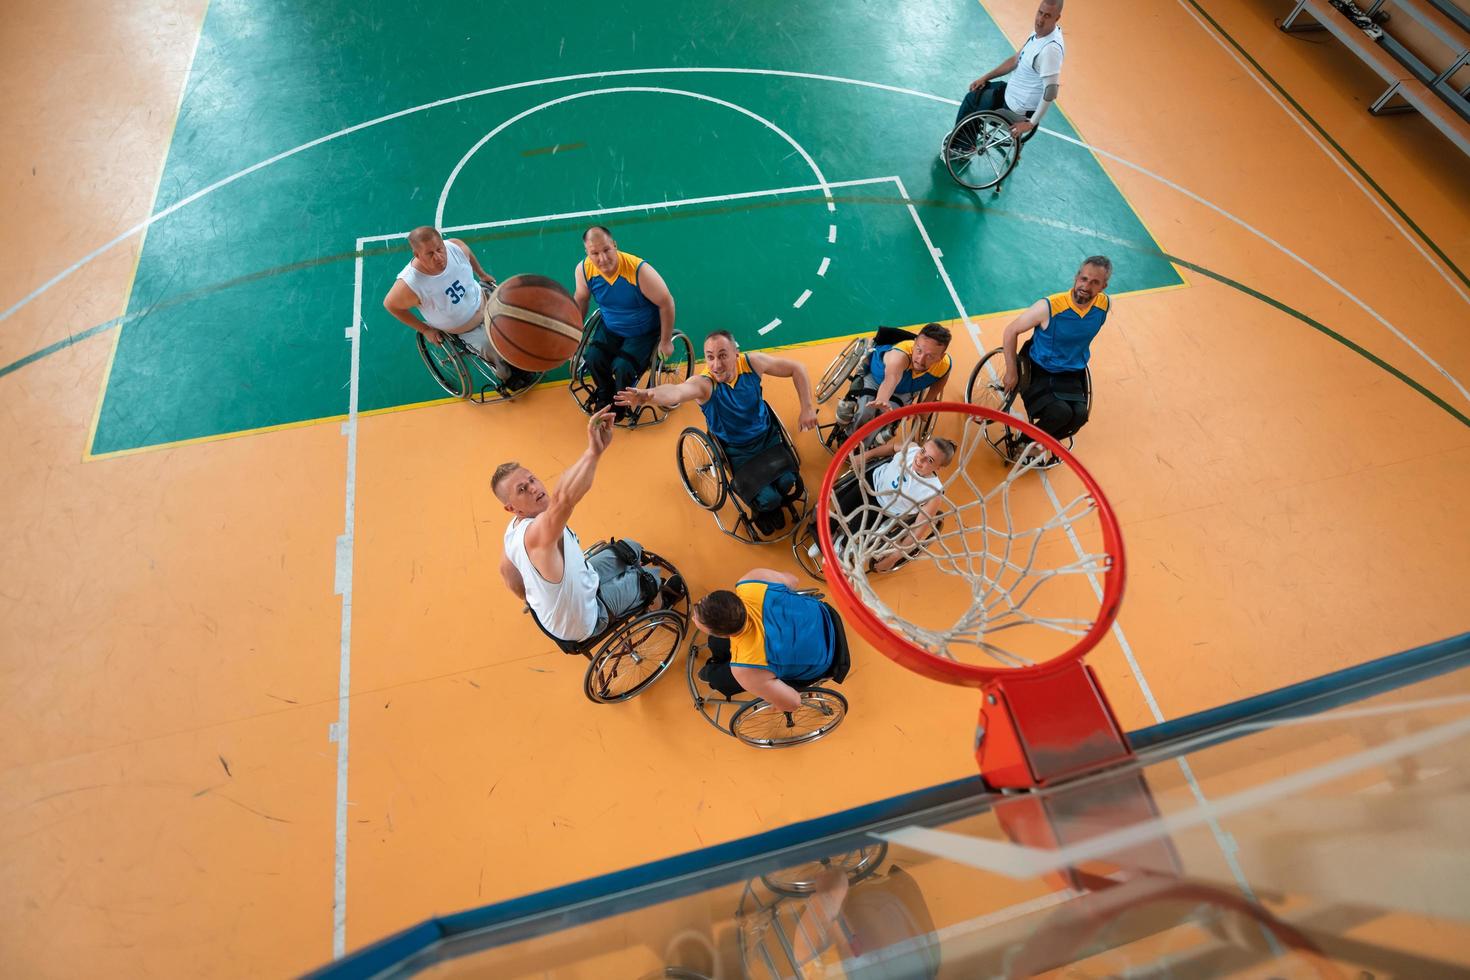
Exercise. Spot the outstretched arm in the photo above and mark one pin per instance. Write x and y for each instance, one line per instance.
(1031, 318)
(546, 529)
(764, 684)
(657, 292)
(696, 389)
(782, 367)
(895, 363)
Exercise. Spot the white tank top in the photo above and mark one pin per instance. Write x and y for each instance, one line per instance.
(900, 490)
(567, 609)
(1036, 59)
(451, 299)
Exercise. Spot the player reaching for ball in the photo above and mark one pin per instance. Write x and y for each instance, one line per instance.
(574, 597)
(450, 288)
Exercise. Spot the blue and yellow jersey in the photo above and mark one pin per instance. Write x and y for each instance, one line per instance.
(736, 411)
(785, 633)
(625, 310)
(1065, 341)
(911, 382)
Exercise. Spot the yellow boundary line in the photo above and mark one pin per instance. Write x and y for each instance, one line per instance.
(87, 454)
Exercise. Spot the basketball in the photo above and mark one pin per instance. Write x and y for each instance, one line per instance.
(534, 322)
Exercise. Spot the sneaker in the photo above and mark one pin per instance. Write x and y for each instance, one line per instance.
(673, 591)
(767, 522)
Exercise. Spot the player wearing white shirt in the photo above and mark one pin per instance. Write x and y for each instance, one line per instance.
(908, 491)
(1035, 75)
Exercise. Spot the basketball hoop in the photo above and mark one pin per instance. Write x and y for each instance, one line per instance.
(1013, 580)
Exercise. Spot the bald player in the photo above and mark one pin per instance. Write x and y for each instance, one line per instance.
(637, 314)
(449, 287)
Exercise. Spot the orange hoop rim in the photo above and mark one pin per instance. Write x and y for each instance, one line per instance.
(909, 654)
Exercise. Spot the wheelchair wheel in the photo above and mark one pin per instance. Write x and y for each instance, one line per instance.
(804, 547)
(580, 386)
(446, 366)
(803, 879)
(980, 152)
(633, 656)
(677, 368)
(985, 389)
(765, 726)
(841, 369)
(702, 468)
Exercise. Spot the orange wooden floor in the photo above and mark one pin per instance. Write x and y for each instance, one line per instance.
(169, 632)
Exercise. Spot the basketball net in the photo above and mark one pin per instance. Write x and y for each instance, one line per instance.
(1003, 537)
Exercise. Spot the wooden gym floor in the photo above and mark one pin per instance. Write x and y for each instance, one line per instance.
(1280, 423)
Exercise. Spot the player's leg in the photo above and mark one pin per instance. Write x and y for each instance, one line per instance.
(989, 96)
(716, 671)
(624, 584)
(632, 359)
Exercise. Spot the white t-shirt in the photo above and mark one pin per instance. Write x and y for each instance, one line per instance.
(567, 609)
(900, 490)
(451, 300)
(1038, 58)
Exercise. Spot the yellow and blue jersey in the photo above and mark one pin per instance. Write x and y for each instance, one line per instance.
(785, 633)
(1065, 342)
(912, 381)
(625, 310)
(736, 412)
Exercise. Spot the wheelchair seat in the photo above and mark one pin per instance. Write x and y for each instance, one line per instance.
(676, 369)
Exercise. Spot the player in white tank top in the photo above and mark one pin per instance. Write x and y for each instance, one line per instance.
(443, 280)
(567, 609)
(1035, 75)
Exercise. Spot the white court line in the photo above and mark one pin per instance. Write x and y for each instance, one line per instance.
(1020, 862)
(1223, 838)
(801, 300)
(1279, 247)
(831, 234)
(217, 185)
(822, 269)
(343, 586)
(770, 326)
(1393, 219)
(649, 206)
(618, 90)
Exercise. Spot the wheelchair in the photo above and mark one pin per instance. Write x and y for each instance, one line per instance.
(633, 650)
(848, 373)
(711, 482)
(760, 724)
(987, 152)
(806, 549)
(676, 369)
(464, 373)
(985, 389)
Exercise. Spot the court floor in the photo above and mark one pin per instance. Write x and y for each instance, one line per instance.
(266, 696)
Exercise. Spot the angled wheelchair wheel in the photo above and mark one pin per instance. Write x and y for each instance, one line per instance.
(985, 389)
(980, 151)
(675, 369)
(633, 656)
(702, 469)
(804, 547)
(842, 369)
(764, 726)
(446, 366)
(804, 878)
(580, 386)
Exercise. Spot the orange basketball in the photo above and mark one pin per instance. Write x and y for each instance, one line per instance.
(534, 322)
